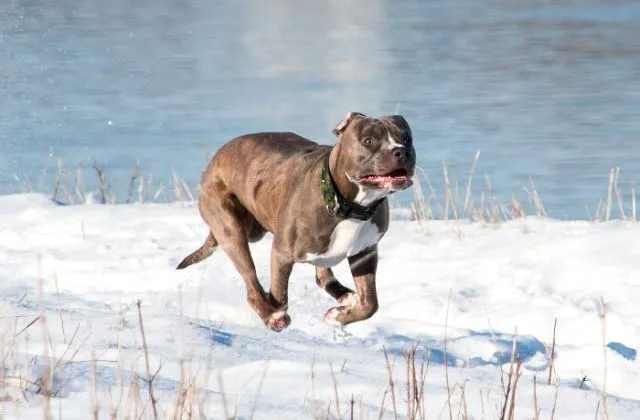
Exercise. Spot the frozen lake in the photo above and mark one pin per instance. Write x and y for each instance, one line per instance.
(547, 90)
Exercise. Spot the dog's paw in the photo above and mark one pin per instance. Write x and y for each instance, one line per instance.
(278, 321)
(332, 315)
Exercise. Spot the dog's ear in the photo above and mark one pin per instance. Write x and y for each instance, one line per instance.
(342, 125)
(400, 122)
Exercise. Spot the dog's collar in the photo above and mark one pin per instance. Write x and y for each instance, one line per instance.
(337, 204)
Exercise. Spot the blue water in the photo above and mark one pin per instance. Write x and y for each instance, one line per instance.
(544, 89)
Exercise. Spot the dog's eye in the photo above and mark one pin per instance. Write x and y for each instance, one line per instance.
(368, 141)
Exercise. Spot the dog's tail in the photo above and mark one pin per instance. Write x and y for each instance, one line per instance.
(201, 253)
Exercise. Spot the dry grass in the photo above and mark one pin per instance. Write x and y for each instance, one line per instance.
(473, 199)
(91, 184)
(27, 379)
(134, 396)
(456, 202)
(602, 315)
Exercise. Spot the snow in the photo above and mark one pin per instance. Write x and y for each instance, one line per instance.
(463, 292)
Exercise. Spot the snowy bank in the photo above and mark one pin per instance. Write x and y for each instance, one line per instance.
(465, 293)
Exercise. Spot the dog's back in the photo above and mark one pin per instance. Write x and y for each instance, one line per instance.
(260, 168)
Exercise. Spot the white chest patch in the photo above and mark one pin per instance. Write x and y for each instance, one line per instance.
(348, 238)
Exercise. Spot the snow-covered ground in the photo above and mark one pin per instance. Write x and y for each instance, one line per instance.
(464, 293)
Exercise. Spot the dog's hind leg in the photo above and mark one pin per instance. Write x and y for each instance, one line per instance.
(201, 253)
(328, 282)
(233, 226)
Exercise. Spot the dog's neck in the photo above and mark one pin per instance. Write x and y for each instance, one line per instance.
(345, 187)
(343, 196)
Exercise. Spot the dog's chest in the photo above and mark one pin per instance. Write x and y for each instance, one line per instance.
(348, 238)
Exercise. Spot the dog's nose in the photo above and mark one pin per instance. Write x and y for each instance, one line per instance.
(401, 153)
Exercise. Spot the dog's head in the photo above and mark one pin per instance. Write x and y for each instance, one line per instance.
(379, 151)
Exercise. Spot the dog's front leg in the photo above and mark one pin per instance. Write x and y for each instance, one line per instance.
(363, 303)
(281, 267)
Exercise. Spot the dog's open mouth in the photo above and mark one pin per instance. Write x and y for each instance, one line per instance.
(398, 179)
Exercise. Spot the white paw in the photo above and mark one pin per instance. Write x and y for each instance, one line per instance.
(332, 316)
(278, 321)
(350, 299)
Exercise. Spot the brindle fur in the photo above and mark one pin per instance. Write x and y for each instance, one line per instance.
(270, 182)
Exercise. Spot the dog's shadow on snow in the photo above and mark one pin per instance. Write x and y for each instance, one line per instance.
(471, 349)
(476, 348)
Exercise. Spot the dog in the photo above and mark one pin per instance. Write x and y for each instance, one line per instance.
(322, 204)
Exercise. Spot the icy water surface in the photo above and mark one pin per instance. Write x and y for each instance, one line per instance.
(545, 89)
